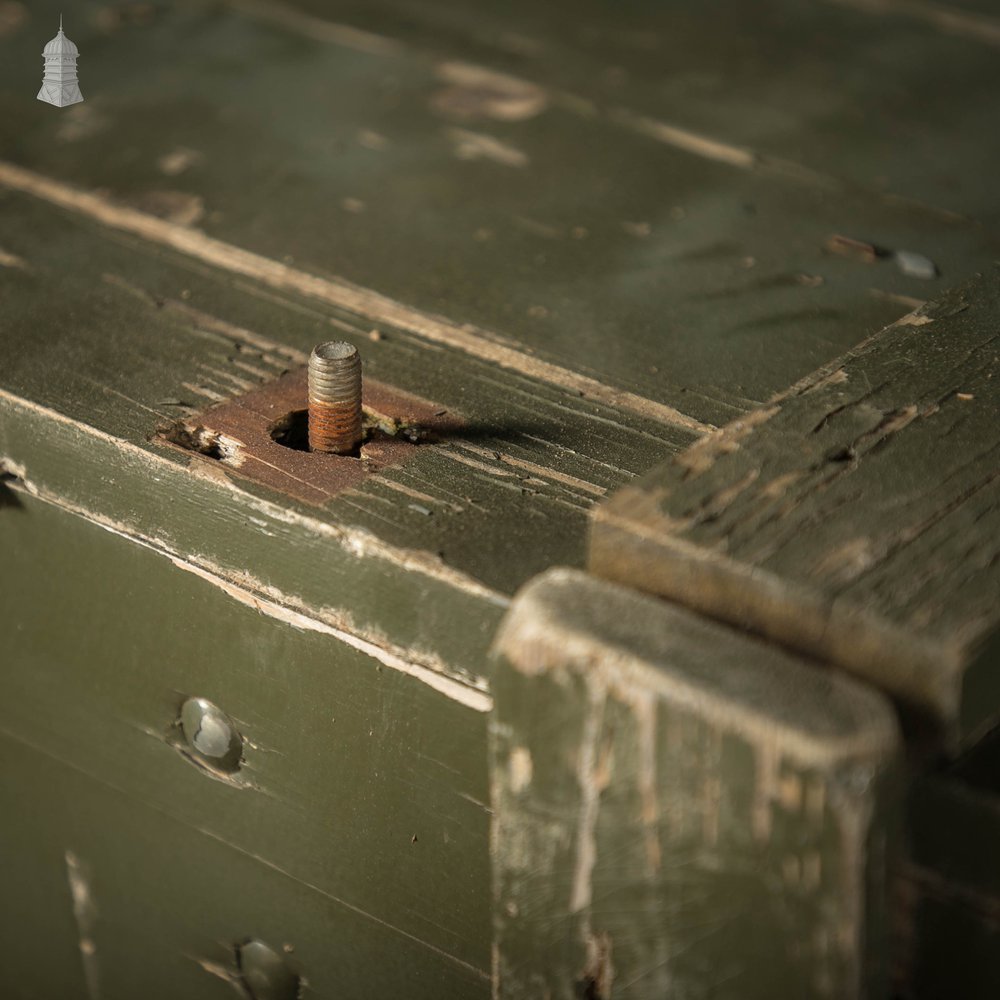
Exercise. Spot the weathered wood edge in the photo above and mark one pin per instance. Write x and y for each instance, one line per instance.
(667, 534)
(604, 808)
(343, 581)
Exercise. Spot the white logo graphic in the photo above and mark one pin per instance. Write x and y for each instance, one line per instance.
(59, 85)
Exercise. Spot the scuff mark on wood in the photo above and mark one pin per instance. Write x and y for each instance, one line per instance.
(12, 260)
(82, 121)
(689, 142)
(178, 160)
(663, 773)
(274, 517)
(177, 207)
(592, 776)
(85, 915)
(476, 698)
(598, 974)
(479, 146)
(463, 337)
(478, 92)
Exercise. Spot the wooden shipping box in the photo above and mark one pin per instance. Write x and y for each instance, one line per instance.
(643, 650)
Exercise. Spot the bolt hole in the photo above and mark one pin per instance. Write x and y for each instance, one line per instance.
(292, 430)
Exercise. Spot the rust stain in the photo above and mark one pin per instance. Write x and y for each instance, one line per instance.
(259, 435)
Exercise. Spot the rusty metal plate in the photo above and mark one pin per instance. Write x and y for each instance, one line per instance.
(261, 435)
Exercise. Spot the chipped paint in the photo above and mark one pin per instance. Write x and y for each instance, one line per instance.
(12, 260)
(537, 642)
(478, 92)
(644, 710)
(462, 337)
(85, 915)
(687, 141)
(479, 146)
(521, 769)
(478, 699)
(178, 160)
(539, 470)
(588, 775)
(358, 542)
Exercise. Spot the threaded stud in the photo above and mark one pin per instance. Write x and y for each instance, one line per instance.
(334, 398)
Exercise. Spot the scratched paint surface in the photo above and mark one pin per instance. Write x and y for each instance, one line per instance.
(170, 903)
(679, 809)
(154, 340)
(695, 281)
(361, 796)
(590, 263)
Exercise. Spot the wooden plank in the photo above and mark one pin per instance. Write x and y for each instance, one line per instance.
(835, 92)
(138, 336)
(679, 809)
(685, 280)
(855, 518)
(359, 783)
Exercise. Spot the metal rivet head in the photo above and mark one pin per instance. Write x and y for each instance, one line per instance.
(265, 972)
(211, 735)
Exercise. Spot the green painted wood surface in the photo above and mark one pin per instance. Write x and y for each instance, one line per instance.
(836, 93)
(167, 904)
(359, 814)
(680, 810)
(855, 518)
(592, 257)
(87, 396)
(545, 253)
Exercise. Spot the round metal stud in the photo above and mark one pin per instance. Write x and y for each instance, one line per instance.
(265, 972)
(211, 735)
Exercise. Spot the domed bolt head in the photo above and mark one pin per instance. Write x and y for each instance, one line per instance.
(265, 973)
(211, 735)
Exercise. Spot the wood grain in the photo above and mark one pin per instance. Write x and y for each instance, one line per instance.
(679, 809)
(856, 517)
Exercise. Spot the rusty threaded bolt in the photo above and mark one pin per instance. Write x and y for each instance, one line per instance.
(334, 398)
